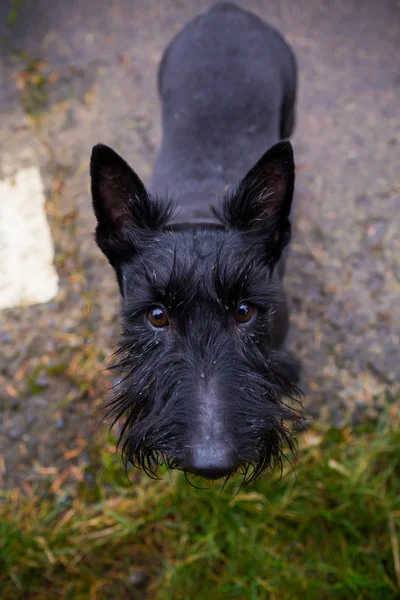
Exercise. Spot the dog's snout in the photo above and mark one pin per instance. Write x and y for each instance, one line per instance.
(212, 460)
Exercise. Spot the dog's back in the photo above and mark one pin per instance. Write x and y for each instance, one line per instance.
(228, 85)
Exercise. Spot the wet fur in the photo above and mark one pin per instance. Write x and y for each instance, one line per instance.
(205, 376)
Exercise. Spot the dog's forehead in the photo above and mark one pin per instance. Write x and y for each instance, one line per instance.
(198, 263)
(195, 246)
(192, 263)
(198, 250)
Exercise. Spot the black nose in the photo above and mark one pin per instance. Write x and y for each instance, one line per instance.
(211, 460)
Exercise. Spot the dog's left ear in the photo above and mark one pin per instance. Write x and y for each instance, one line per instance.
(261, 204)
(126, 215)
(119, 196)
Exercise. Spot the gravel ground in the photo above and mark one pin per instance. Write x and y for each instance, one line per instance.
(77, 73)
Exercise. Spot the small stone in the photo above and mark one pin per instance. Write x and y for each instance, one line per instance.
(65, 501)
(38, 401)
(42, 381)
(374, 234)
(32, 447)
(15, 433)
(60, 424)
(85, 457)
(363, 200)
(69, 326)
(31, 418)
(49, 346)
(356, 419)
(89, 478)
(14, 403)
(137, 579)
(337, 418)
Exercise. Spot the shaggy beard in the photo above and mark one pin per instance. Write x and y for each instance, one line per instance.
(155, 420)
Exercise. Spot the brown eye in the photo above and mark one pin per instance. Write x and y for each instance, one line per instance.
(244, 312)
(158, 316)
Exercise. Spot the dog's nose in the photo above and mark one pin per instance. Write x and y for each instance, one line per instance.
(211, 460)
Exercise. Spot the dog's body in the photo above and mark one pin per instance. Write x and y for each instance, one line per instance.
(228, 85)
(205, 315)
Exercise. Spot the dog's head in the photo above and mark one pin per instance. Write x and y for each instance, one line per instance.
(203, 379)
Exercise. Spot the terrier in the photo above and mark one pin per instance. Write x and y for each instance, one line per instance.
(206, 376)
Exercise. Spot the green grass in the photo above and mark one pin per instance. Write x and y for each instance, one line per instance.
(325, 531)
(13, 12)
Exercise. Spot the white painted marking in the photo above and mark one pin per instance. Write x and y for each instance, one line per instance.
(27, 274)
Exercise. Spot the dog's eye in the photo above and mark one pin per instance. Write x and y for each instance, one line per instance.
(157, 316)
(244, 312)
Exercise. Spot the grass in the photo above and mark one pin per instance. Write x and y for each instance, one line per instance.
(327, 530)
(13, 13)
(33, 85)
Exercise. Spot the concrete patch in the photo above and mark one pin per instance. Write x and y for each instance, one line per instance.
(27, 274)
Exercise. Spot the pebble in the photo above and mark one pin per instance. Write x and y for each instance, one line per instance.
(375, 232)
(15, 433)
(337, 418)
(42, 381)
(14, 403)
(65, 501)
(89, 478)
(32, 447)
(85, 457)
(31, 418)
(38, 401)
(138, 578)
(60, 424)
(356, 419)
(70, 326)
(49, 346)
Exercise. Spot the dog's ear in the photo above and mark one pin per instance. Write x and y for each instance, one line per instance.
(125, 213)
(261, 204)
(119, 196)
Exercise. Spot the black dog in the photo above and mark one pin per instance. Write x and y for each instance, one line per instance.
(205, 314)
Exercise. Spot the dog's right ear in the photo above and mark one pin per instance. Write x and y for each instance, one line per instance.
(260, 207)
(125, 213)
